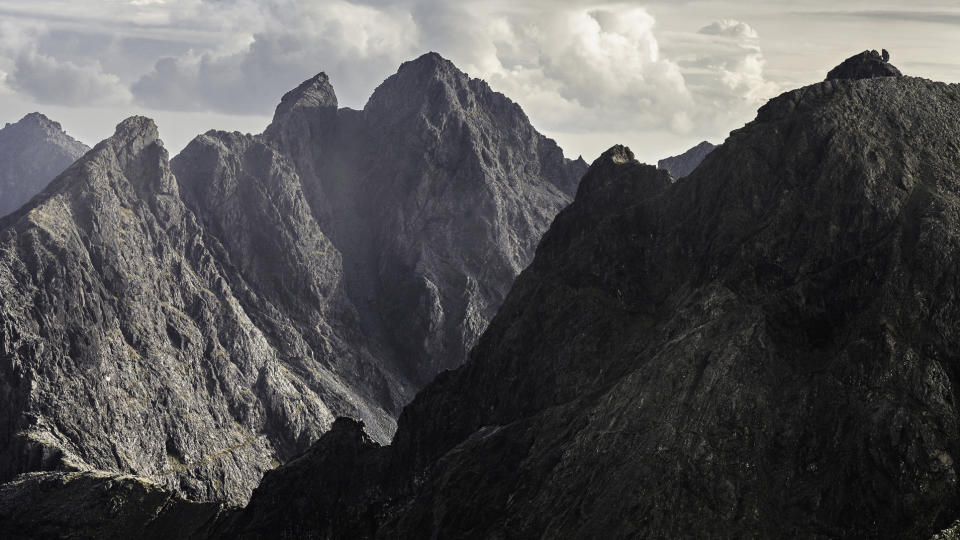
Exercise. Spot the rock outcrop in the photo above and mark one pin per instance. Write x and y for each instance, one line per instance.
(682, 165)
(866, 65)
(766, 348)
(33, 152)
(198, 322)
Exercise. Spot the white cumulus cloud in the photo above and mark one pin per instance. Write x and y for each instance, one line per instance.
(582, 70)
(50, 80)
(292, 41)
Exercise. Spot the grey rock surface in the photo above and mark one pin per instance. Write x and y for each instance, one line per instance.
(196, 323)
(865, 65)
(766, 348)
(682, 165)
(436, 195)
(33, 152)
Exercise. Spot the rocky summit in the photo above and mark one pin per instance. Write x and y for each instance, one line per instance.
(682, 165)
(32, 152)
(865, 65)
(194, 323)
(435, 195)
(765, 348)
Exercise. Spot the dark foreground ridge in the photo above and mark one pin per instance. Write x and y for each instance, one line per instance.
(765, 348)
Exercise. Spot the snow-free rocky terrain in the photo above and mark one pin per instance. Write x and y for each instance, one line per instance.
(765, 348)
(32, 152)
(196, 322)
(682, 165)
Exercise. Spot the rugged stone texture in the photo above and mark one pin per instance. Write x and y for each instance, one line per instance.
(125, 343)
(766, 348)
(865, 65)
(96, 505)
(436, 195)
(951, 533)
(199, 322)
(32, 152)
(684, 164)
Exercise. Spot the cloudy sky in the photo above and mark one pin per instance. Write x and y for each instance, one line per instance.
(658, 76)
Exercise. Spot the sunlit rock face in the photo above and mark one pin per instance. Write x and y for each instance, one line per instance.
(196, 322)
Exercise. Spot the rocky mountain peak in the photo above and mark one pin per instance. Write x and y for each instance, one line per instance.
(682, 165)
(136, 132)
(136, 151)
(866, 65)
(315, 92)
(131, 137)
(615, 173)
(617, 155)
(430, 63)
(37, 120)
(32, 152)
(37, 124)
(430, 85)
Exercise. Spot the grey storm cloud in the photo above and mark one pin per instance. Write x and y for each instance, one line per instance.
(356, 45)
(578, 67)
(573, 66)
(49, 80)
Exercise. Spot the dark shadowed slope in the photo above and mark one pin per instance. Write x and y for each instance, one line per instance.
(765, 348)
(32, 152)
(99, 506)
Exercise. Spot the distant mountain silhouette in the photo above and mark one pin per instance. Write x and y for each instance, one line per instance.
(684, 164)
(32, 152)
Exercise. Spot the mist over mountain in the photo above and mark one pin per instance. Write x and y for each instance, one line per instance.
(32, 152)
(199, 321)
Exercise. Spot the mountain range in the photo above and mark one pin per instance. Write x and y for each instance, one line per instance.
(197, 321)
(764, 347)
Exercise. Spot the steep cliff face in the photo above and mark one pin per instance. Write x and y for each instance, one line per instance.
(682, 165)
(436, 194)
(765, 348)
(33, 152)
(126, 341)
(195, 323)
